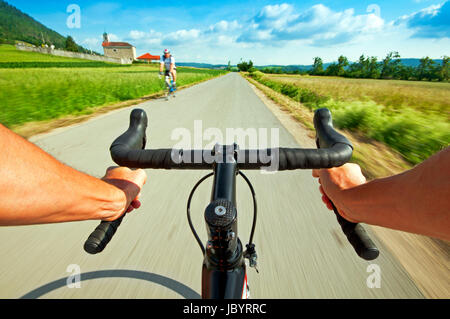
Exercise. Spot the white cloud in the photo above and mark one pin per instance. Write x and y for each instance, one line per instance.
(91, 42)
(135, 34)
(224, 26)
(432, 22)
(282, 23)
(181, 36)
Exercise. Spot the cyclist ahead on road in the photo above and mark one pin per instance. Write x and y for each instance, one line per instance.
(167, 62)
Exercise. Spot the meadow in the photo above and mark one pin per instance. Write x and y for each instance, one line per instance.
(47, 92)
(410, 117)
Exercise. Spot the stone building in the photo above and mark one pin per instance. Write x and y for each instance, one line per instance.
(121, 50)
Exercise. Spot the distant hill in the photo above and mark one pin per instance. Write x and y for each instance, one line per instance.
(18, 26)
(415, 62)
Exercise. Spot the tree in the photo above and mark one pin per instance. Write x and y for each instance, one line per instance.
(229, 66)
(445, 69)
(390, 65)
(71, 45)
(406, 72)
(317, 68)
(426, 69)
(359, 69)
(245, 66)
(342, 63)
(332, 70)
(373, 68)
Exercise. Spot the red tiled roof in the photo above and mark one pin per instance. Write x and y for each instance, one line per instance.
(116, 44)
(148, 56)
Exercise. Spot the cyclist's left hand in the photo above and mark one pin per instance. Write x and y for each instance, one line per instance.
(129, 181)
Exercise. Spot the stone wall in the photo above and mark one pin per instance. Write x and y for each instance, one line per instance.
(126, 54)
(76, 55)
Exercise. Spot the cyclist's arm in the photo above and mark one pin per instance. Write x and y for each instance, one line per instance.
(172, 64)
(36, 188)
(416, 201)
(161, 65)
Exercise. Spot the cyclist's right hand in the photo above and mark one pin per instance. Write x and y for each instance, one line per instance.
(333, 183)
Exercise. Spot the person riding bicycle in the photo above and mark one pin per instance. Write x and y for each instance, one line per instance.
(167, 62)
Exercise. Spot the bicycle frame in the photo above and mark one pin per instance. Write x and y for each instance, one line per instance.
(224, 272)
(224, 269)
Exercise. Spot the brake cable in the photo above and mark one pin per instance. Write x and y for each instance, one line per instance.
(197, 238)
(189, 211)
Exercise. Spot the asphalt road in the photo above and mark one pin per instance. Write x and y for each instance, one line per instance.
(302, 252)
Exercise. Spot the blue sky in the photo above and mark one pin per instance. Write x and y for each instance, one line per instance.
(268, 32)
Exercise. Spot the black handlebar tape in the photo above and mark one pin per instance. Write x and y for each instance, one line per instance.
(336, 155)
(358, 238)
(101, 236)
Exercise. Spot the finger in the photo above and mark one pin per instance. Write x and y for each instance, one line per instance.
(129, 209)
(111, 168)
(327, 202)
(315, 173)
(322, 190)
(136, 204)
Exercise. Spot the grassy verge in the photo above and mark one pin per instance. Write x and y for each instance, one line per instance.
(413, 133)
(36, 94)
(32, 128)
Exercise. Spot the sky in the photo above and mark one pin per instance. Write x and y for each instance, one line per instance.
(267, 32)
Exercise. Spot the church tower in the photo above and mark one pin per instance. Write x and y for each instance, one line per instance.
(105, 37)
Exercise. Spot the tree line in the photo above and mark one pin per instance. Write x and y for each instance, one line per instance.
(391, 67)
(368, 67)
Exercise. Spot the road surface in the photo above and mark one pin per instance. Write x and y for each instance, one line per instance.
(302, 252)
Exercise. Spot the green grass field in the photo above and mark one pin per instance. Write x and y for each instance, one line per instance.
(410, 117)
(47, 92)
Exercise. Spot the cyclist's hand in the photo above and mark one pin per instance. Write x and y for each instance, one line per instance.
(129, 181)
(333, 183)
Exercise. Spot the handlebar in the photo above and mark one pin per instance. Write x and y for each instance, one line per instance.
(334, 150)
(125, 151)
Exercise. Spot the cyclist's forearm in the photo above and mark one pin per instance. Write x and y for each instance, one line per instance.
(36, 188)
(415, 201)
